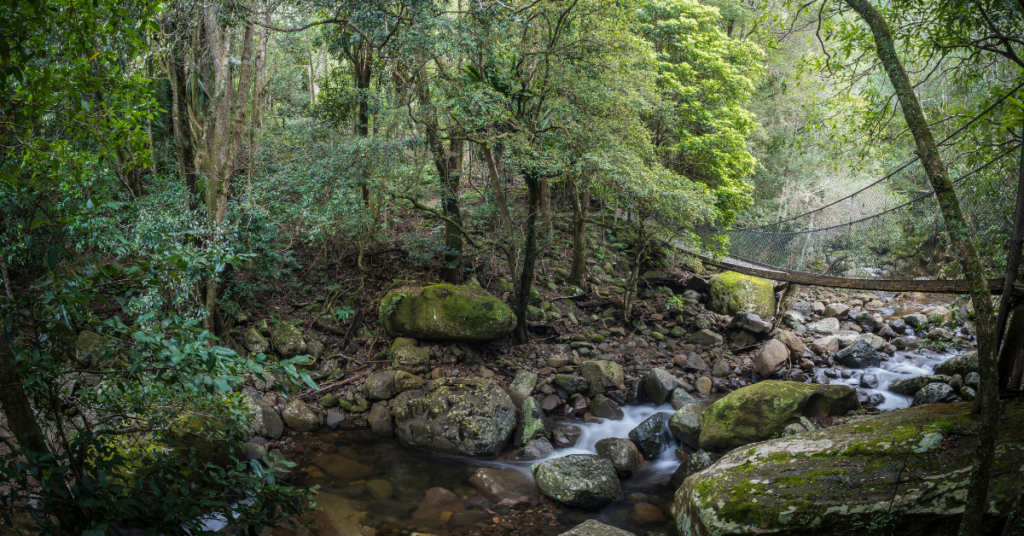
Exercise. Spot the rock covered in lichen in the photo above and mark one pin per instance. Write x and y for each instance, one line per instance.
(446, 312)
(795, 486)
(463, 417)
(287, 340)
(763, 410)
(580, 480)
(732, 292)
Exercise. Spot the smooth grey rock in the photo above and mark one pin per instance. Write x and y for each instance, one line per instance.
(652, 435)
(859, 355)
(623, 454)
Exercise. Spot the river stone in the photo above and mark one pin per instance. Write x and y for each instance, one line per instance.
(837, 310)
(652, 435)
(622, 453)
(763, 410)
(934, 393)
(410, 358)
(605, 408)
(299, 417)
(379, 489)
(696, 463)
(380, 386)
(337, 516)
(603, 376)
(381, 421)
(253, 341)
(530, 425)
(680, 398)
(772, 357)
(706, 337)
(564, 436)
(580, 480)
(659, 385)
(593, 527)
(435, 503)
(267, 422)
(962, 364)
(535, 449)
(463, 417)
(915, 320)
(405, 381)
(500, 484)
(793, 343)
(796, 480)
(825, 345)
(572, 384)
(692, 363)
(342, 468)
(446, 312)
(860, 355)
(288, 340)
(869, 380)
(685, 423)
(731, 292)
(743, 320)
(910, 386)
(522, 386)
(825, 326)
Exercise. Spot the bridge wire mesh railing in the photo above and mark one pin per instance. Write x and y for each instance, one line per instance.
(893, 228)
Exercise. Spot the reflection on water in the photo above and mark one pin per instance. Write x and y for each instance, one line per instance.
(392, 489)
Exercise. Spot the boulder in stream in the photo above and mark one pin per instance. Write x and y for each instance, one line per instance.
(580, 480)
(763, 410)
(732, 292)
(652, 435)
(834, 480)
(463, 417)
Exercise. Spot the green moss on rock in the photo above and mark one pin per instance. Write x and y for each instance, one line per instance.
(763, 410)
(841, 479)
(446, 312)
(732, 292)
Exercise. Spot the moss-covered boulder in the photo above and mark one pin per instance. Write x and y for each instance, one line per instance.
(446, 312)
(463, 417)
(603, 376)
(287, 340)
(763, 410)
(905, 472)
(732, 292)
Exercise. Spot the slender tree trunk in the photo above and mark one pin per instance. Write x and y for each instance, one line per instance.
(448, 162)
(259, 89)
(182, 125)
(1011, 359)
(15, 403)
(580, 207)
(1012, 355)
(959, 234)
(533, 186)
(499, 192)
(545, 204)
(225, 141)
(1015, 521)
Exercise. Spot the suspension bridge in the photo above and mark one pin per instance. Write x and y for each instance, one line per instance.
(890, 234)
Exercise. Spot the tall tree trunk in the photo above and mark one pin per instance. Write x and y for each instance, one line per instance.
(1011, 358)
(533, 186)
(1013, 260)
(580, 207)
(499, 192)
(545, 203)
(260, 83)
(448, 162)
(15, 403)
(225, 140)
(362, 62)
(181, 123)
(956, 226)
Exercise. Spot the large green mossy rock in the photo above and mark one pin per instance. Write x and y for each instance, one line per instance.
(904, 472)
(288, 340)
(463, 417)
(763, 410)
(732, 292)
(446, 312)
